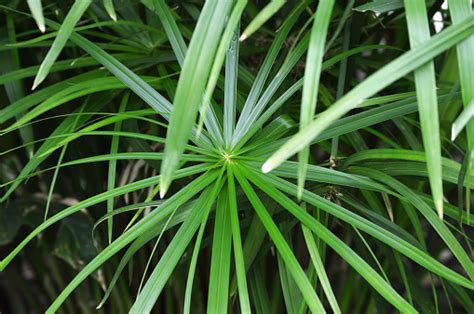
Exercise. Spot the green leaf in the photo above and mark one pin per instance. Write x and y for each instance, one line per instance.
(264, 15)
(179, 48)
(332, 240)
(460, 11)
(312, 73)
(92, 201)
(284, 250)
(270, 183)
(193, 78)
(72, 17)
(109, 7)
(134, 232)
(111, 177)
(319, 266)
(179, 217)
(74, 243)
(218, 291)
(231, 91)
(291, 295)
(247, 116)
(36, 9)
(380, 6)
(425, 81)
(237, 243)
(10, 61)
(396, 69)
(157, 280)
(192, 268)
(66, 126)
(25, 211)
(462, 120)
(228, 36)
(170, 26)
(427, 212)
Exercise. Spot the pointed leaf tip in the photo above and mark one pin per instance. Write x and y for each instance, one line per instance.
(35, 84)
(163, 190)
(453, 132)
(439, 208)
(267, 167)
(299, 193)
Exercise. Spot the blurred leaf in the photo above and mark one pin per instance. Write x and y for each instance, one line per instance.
(380, 6)
(74, 242)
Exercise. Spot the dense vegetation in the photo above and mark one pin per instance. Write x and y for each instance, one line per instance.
(234, 156)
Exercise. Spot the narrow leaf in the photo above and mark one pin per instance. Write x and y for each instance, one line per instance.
(319, 266)
(312, 75)
(237, 242)
(72, 17)
(425, 82)
(109, 7)
(218, 291)
(193, 78)
(36, 9)
(462, 120)
(393, 71)
(113, 166)
(264, 15)
(147, 297)
(284, 250)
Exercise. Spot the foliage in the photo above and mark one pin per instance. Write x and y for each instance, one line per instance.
(305, 165)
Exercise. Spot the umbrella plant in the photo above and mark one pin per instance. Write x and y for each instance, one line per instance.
(237, 156)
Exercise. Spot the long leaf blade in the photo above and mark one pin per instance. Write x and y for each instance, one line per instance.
(312, 75)
(36, 9)
(425, 82)
(67, 27)
(193, 78)
(396, 69)
(220, 259)
(284, 250)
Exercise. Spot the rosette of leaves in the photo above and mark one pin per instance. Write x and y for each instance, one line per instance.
(162, 119)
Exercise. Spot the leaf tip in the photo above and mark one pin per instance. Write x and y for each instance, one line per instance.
(299, 192)
(243, 37)
(439, 208)
(267, 166)
(36, 83)
(453, 132)
(163, 190)
(42, 27)
(199, 128)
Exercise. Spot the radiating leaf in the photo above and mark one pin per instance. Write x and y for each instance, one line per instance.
(312, 73)
(425, 81)
(109, 7)
(264, 15)
(147, 297)
(396, 69)
(193, 78)
(462, 120)
(36, 9)
(284, 250)
(380, 6)
(67, 27)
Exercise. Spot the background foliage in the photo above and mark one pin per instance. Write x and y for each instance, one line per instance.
(134, 135)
